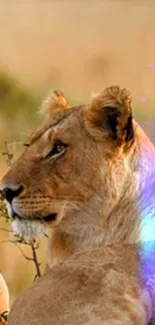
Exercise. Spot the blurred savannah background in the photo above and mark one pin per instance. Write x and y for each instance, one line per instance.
(79, 47)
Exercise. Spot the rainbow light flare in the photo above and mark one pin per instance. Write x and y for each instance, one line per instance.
(147, 239)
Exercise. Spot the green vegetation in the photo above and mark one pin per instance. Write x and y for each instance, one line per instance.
(15, 99)
(17, 108)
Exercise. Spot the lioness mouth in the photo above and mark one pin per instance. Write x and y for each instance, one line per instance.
(48, 218)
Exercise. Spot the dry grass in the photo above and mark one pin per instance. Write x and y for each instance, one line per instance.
(80, 47)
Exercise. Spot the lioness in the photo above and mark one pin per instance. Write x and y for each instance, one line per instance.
(88, 175)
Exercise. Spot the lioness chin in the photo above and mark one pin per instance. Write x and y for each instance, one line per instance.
(88, 176)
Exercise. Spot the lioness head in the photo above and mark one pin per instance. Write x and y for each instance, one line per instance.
(82, 172)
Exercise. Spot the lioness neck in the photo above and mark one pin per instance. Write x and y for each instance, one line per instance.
(124, 223)
(62, 244)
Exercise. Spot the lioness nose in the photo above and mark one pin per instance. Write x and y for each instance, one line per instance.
(9, 194)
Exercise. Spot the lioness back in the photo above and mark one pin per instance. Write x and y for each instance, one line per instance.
(97, 288)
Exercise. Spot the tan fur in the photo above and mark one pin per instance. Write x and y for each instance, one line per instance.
(112, 97)
(56, 101)
(95, 187)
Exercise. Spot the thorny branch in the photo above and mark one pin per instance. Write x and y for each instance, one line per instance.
(34, 247)
(35, 259)
(7, 153)
(19, 240)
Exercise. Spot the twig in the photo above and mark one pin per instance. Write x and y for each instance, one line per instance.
(35, 259)
(8, 154)
(16, 243)
(31, 259)
(21, 240)
(3, 229)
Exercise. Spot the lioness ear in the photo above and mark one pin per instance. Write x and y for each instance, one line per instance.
(53, 104)
(110, 112)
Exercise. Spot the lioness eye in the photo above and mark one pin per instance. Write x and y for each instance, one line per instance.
(58, 147)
